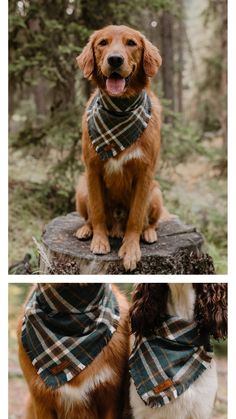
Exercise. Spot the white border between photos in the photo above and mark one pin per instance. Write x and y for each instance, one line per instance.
(18, 279)
(231, 206)
(4, 208)
(5, 279)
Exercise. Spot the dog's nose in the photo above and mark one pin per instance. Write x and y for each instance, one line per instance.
(115, 60)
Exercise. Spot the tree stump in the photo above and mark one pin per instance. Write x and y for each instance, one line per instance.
(179, 250)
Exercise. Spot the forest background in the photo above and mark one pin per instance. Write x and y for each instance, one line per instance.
(47, 95)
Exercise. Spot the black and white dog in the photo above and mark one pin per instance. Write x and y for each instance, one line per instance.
(173, 373)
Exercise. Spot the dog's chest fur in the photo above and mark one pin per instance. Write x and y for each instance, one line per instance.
(181, 300)
(116, 166)
(70, 395)
(199, 398)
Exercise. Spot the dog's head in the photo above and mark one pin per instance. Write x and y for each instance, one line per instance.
(149, 307)
(120, 60)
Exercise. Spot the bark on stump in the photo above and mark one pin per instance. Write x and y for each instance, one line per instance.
(179, 250)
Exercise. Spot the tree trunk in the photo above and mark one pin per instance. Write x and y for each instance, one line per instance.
(39, 92)
(179, 250)
(167, 52)
(224, 71)
(12, 100)
(39, 88)
(180, 33)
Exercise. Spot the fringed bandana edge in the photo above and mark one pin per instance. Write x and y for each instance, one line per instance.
(65, 328)
(115, 123)
(164, 365)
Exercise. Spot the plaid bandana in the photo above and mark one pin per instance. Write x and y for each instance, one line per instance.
(65, 328)
(164, 365)
(115, 123)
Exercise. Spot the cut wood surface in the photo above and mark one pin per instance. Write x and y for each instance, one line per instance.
(179, 250)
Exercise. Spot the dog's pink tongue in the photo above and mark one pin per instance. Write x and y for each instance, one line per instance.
(115, 86)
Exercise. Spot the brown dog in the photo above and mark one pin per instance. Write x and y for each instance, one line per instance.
(99, 390)
(117, 195)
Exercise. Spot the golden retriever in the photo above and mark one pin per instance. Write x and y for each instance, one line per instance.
(118, 197)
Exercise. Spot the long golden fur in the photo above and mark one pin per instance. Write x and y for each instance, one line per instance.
(106, 399)
(101, 191)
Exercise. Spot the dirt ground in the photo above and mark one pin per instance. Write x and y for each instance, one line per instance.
(18, 391)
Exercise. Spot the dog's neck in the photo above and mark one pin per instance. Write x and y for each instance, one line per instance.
(69, 297)
(115, 123)
(181, 301)
(117, 104)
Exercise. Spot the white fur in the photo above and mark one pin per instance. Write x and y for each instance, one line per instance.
(71, 395)
(181, 301)
(197, 402)
(116, 165)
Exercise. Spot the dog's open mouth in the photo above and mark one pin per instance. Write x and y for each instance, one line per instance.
(116, 84)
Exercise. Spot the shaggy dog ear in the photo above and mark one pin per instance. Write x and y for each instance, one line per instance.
(86, 59)
(148, 308)
(211, 309)
(151, 58)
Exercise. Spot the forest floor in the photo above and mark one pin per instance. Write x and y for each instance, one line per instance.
(194, 190)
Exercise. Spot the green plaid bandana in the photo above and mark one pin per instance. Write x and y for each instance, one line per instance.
(115, 123)
(164, 365)
(65, 328)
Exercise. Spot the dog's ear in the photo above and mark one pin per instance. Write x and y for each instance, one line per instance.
(151, 58)
(86, 59)
(211, 309)
(148, 307)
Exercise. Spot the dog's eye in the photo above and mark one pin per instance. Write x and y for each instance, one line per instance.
(131, 43)
(103, 42)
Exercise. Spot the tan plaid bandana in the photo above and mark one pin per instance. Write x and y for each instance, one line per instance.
(164, 365)
(115, 123)
(65, 328)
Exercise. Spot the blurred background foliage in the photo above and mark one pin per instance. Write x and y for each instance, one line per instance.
(47, 95)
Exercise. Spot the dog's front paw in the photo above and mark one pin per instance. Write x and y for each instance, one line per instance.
(131, 254)
(84, 233)
(149, 235)
(100, 245)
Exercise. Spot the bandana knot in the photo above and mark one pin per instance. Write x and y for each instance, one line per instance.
(165, 364)
(65, 328)
(115, 123)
